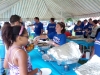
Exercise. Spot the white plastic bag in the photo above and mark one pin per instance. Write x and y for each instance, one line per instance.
(69, 51)
(92, 67)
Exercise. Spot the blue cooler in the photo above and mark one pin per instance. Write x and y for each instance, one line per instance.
(2, 56)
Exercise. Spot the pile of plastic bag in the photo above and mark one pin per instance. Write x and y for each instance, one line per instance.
(67, 52)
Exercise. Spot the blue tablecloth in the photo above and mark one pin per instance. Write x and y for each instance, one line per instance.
(2, 55)
(82, 42)
(2, 49)
(38, 62)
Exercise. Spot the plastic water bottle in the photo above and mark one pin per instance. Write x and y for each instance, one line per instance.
(88, 55)
(66, 67)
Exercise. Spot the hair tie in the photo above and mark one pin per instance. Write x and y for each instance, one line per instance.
(21, 30)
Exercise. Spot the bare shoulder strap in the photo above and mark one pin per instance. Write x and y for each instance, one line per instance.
(14, 55)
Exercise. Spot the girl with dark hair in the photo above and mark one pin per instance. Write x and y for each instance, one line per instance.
(16, 58)
(2, 51)
(58, 38)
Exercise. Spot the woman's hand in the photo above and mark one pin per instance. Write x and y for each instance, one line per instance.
(39, 73)
(51, 42)
(35, 42)
(37, 38)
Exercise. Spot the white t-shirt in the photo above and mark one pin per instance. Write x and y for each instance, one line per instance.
(94, 30)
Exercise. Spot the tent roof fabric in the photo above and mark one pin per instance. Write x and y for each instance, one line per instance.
(45, 9)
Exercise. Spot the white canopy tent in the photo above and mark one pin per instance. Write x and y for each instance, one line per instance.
(45, 9)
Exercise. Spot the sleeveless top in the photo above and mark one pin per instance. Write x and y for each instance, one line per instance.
(14, 70)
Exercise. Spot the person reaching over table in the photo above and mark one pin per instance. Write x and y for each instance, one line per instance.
(16, 59)
(78, 29)
(58, 38)
(38, 27)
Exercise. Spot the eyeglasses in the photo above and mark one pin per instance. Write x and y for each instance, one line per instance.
(26, 36)
(21, 23)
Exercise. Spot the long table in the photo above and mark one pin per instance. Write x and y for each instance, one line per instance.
(38, 62)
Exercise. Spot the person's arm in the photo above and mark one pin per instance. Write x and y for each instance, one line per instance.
(53, 43)
(86, 30)
(77, 30)
(50, 36)
(22, 63)
(42, 31)
(35, 42)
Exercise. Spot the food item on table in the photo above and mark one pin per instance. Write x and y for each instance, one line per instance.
(43, 44)
(29, 47)
(72, 37)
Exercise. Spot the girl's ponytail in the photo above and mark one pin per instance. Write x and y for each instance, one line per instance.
(7, 34)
